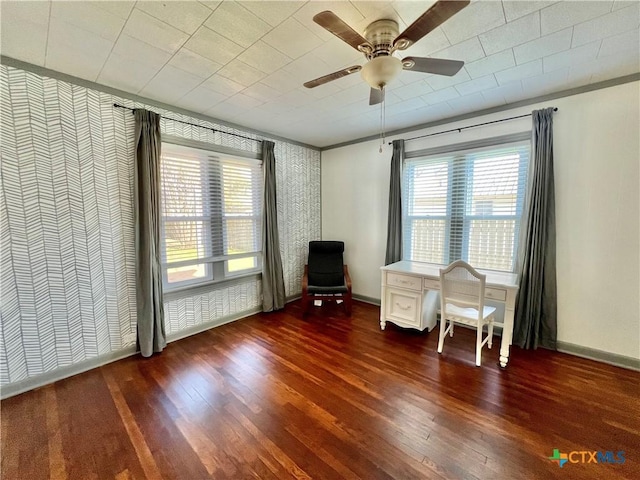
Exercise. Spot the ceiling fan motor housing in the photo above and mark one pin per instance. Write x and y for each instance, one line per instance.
(381, 35)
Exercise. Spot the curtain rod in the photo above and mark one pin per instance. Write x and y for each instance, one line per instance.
(116, 105)
(555, 109)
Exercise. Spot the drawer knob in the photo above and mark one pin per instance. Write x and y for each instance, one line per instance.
(401, 307)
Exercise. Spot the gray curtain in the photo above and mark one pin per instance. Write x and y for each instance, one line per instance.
(394, 221)
(273, 294)
(151, 334)
(535, 321)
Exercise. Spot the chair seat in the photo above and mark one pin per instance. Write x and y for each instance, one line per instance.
(465, 315)
(327, 290)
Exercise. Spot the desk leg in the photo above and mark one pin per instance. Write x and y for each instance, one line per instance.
(507, 328)
(383, 321)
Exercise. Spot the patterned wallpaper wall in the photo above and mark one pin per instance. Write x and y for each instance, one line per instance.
(66, 219)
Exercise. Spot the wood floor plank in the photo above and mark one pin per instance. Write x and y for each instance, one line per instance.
(57, 466)
(276, 396)
(145, 457)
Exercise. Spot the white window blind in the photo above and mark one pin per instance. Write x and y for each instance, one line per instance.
(211, 215)
(465, 205)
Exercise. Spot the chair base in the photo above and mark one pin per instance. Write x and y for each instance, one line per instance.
(343, 294)
(309, 300)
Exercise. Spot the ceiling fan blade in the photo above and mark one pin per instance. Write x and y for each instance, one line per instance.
(429, 20)
(332, 76)
(331, 22)
(438, 66)
(375, 97)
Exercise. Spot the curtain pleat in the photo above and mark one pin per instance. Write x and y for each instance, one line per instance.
(150, 320)
(273, 293)
(394, 221)
(536, 309)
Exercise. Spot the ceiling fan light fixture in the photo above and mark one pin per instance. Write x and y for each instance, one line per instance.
(379, 71)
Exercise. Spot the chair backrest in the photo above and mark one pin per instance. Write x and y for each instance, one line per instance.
(326, 263)
(461, 285)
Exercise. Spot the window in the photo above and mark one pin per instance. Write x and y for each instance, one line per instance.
(465, 205)
(211, 215)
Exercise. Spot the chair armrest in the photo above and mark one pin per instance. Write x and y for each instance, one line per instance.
(305, 278)
(347, 277)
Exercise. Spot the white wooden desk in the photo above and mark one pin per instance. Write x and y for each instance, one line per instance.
(410, 298)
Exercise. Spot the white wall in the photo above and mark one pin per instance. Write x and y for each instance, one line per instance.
(597, 157)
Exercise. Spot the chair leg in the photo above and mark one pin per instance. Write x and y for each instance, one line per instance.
(347, 304)
(451, 324)
(443, 333)
(479, 345)
(305, 303)
(490, 334)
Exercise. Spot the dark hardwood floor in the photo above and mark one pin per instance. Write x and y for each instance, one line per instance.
(329, 397)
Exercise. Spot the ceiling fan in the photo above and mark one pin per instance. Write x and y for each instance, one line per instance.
(381, 40)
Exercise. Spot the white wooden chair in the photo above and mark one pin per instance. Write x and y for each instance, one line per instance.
(462, 301)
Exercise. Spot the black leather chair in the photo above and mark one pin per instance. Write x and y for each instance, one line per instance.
(326, 277)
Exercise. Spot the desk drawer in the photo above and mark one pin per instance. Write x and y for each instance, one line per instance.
(403, 307)
(404, 281)
(495, 294)
(430, 284)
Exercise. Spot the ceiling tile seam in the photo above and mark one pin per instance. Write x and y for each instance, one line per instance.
(600, 48)
(175, 26)
(613, 34)
(205, 80)
(284, 53)
(46, 47)
(504, 14)
(272, 28)
(518, 44)
(115, 43)
(202, 25)
(172, 55)
(600, 16)
(186, 71)
(446, 37)
(546, 59)
(355, 5)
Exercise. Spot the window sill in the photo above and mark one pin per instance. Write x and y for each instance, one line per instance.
(206, 287)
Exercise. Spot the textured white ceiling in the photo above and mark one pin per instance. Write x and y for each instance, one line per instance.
(245, 62)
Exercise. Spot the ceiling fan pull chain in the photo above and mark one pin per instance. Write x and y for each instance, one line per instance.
(384, 114)
(381, 120)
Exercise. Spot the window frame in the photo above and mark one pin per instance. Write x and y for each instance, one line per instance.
(215, 262)
(461, 161)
